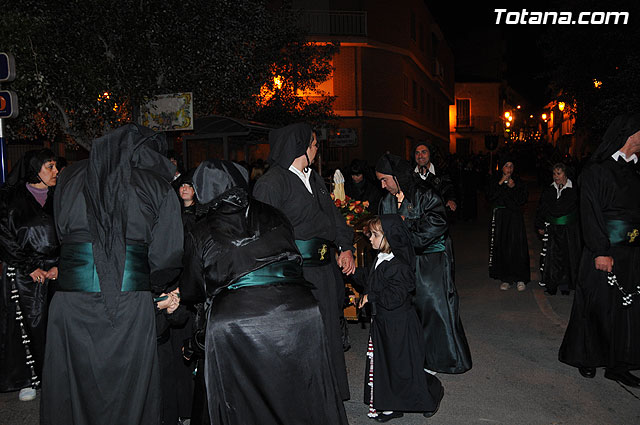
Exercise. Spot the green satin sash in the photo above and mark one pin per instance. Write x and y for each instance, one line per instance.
(281, 272)
(77, 271)
(564, 220)
(315, 252)
(437, 246)
(623, 233)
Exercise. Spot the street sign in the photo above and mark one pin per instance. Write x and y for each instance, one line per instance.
(344, 137)
(8, 104)
(7, 67)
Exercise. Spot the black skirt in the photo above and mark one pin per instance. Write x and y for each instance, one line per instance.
(267, 359)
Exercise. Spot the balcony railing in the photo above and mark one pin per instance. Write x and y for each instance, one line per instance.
(323, 22)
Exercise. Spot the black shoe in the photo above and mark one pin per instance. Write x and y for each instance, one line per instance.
(434, 411)
(386, 418)
(623, 377)
(587, 372)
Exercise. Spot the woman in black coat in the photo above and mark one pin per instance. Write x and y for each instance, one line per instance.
(29, 250)
(266, 349)
(508, 249)
(557, 222)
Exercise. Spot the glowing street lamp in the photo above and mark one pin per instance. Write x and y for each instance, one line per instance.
(544, 117)
(561, 106)
(507, 114)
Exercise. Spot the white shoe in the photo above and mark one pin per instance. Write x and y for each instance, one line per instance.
(521, 286)
(27, 394)
(504, 286)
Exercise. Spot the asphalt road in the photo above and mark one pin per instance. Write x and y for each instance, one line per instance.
(514, 338)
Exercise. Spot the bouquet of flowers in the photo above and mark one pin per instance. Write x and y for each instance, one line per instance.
(352, 210)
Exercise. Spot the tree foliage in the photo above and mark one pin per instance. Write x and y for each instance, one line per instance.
(84, 66)
(577, 55)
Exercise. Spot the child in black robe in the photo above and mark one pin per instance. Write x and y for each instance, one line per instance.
(395, 381)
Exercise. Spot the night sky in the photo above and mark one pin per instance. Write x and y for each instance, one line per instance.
(524, 62)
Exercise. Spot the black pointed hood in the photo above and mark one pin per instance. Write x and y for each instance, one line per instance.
(620, 129)
(288, 143)
(106, 191)
(399, 238)
(399, 168)
(214, 177)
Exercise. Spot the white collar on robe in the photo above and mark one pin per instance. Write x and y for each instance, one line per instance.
(619, 154)
(305, 177)
(559, 190)
(432, 170)
(383, 256)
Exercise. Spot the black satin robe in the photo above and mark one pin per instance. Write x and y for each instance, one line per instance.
(267, 359)
(98, 370)
(559, 268)
(399, 380)
(510, 249)
(601, 331)
(314, 215)
(27, 241)
(436, 298)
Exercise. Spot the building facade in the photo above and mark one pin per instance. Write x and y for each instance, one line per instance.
(393, 78)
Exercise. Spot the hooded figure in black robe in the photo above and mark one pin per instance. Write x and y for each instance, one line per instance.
(604, 327)
(266, 353)
(397, 354)
(118, 221)
(557, 221)
(436, 298)
(508, 247)
(28, 243)
(317, 224)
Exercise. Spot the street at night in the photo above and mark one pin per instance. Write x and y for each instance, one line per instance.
(187, 187)
(514, 338)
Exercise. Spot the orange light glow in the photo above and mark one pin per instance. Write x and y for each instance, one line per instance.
(561, 106)
(544, 116)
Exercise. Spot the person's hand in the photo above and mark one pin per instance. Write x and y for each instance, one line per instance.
(504, 178)
(363, 301)
(510, 182)
(541, 231)
(52, 273)
(38, 275)
(346, 262)
(174, 296)
(166, 303)
(452, 205)
(604, 263)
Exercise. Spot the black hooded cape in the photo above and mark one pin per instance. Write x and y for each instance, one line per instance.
(313, 215)
(602, 331)
(436, 298)
(101, 362)
(267, 359)
(399, 380)
(508, 245)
